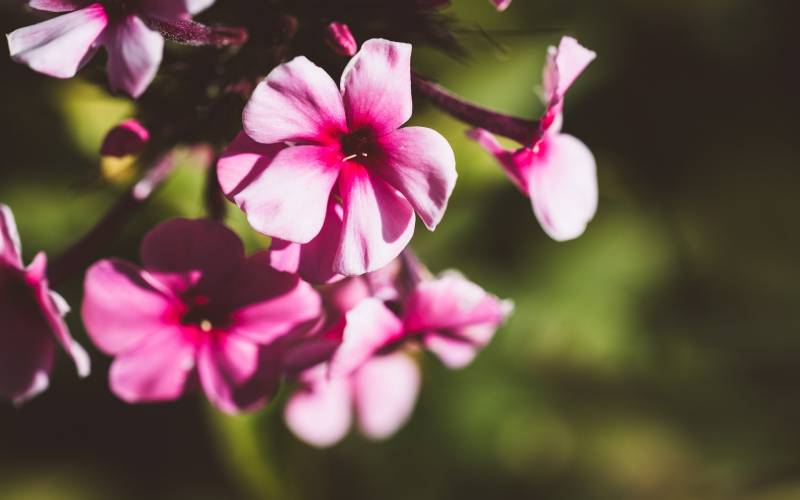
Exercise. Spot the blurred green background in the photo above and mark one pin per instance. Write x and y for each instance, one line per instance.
(656, 357)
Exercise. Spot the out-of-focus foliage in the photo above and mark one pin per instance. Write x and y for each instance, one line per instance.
(656, 357)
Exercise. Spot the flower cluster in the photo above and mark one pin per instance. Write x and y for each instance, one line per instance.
(338, 306)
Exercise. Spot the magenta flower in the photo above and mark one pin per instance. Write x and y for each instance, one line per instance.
(346, 139)
(61, 46)
(127, 138)
(450, 316)
(200, 308)
(32, 315)
(339, 38)
(558, 172)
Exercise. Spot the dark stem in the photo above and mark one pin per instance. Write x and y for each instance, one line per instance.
(84, 250)
(213, 196)
(526, 132)
(194, 33)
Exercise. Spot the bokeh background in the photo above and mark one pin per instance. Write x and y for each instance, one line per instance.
(657, 357)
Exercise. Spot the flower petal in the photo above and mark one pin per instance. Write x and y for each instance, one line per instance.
(236, 374)
(127, 138)
(298, 102)
(454, 353)
(10, 247)
(243, 161)
(386, 390)
(563, 186)
(419, 163)
(134, 55)
(58, 5)
(269, 304)
(196, 257)
(376, 87)
(510, 161)
(370, 326)
(321, 414)
(289, 199)
(59, 47)
(378, 222)
(313, 261)
(157, 369)
(501, 5)
(121, 308)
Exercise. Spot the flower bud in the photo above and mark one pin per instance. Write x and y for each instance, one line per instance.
(339, 38)
(127, 138)
(501, 4)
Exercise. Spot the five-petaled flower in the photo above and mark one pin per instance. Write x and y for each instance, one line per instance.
(450, 316)
(60, 46)
(199, 308)
(32, 315)
(558, 172)
(343, 142)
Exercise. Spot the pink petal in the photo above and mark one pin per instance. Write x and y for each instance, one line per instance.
(127, 138)
(563, 186)
(386, 390)
(196, 257)
(236, 374)
(306, 100)
(53, 311)
(370, 326)
(156, 369)
(376, 87)
(313, 261)
(173, 9)
(59, 47)
(451, 302)
(339, 38)
(26, 342)
(563, 66)
(134, 55)
(510, 161)
(290, 197)
(10, 247)
(378, 222)
(121, 307)
(343, 296)
(501, 4)
(243, 161)
(58, 5)
(269, 304)
(321, 414)
(454, 353)
(419, 163)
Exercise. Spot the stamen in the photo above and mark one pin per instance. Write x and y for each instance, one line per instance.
(536, 148)
(363, 154)
(350, 157)
(205, 325)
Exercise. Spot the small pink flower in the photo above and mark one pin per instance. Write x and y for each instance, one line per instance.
(450, 316)
(339, 38)
(32, 315)
(199, 309)
(127, 138)
(501, 4)
(558, 172)
(61, 46)
(346, 139)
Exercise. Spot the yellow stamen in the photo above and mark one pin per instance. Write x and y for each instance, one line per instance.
(205, 325)
(349, 157)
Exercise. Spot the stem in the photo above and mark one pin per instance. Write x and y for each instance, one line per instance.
(526, 132)
(84, 250)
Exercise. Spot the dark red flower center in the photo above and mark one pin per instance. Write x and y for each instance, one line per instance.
(358, 145)
(204, 316)
(119, 9)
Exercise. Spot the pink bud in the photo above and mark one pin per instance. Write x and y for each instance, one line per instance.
(501, 4)
(127, 138)
(339, 38)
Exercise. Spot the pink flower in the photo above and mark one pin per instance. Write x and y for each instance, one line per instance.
(346, 139)
(501, 4)
(127, 138)
(199, 309)
(61, 46)
(558, 172)
(32, 315)
(450, 316)
(339, 38)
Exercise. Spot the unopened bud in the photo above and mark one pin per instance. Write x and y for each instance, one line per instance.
(339, 38)
(127, 138)
(501, 4)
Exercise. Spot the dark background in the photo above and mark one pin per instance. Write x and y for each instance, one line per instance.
(656, 357)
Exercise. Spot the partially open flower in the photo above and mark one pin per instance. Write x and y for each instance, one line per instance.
(200, 308)
(558, 172)
(32, 316)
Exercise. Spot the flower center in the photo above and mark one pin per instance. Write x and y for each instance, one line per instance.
(357, 145)
(203, 316)
(118, 9)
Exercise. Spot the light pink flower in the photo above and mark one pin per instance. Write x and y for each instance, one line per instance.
(558, 172)
(450, 316)
(199, 308)
(343, 138)
(501, 4)
(32, 315)
(61, 46)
